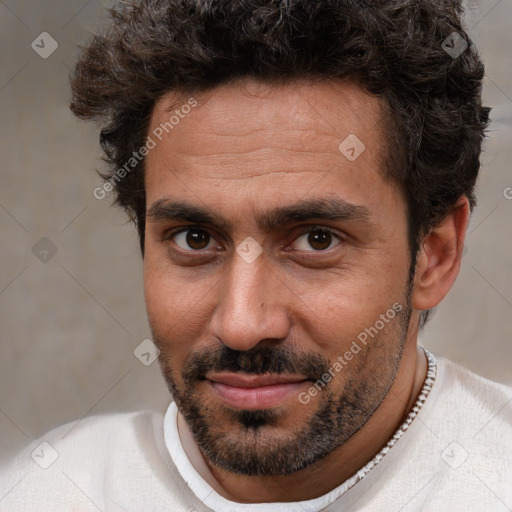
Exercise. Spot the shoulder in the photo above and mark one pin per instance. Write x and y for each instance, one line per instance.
(461, 388)
(103, 434)
(469, 425)
(81, 458)
(455, 455)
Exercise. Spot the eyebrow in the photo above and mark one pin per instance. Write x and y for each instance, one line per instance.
(165, 210)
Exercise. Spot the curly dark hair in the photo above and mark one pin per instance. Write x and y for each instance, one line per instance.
(393, 49)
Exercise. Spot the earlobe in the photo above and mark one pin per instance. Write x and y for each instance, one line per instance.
(439, 259)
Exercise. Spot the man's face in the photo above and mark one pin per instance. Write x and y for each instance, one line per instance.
(246, 326)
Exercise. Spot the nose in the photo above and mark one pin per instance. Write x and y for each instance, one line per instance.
(252, 306)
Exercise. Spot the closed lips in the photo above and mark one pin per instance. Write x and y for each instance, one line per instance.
(252, 392)
(254, 381)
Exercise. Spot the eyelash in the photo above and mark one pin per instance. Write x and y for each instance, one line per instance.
(307, 229)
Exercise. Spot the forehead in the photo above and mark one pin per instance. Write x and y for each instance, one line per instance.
(290, 110)
(248, 136)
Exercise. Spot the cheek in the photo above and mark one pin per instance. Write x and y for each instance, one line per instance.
(337, 310)
(167, 296)
(160, 296)
(178, 312)
(174, 288)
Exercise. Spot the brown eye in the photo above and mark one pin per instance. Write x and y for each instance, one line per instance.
(320, 240)
(195, 239)
(316, 239)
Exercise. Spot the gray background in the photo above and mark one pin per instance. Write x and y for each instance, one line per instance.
(70, 324)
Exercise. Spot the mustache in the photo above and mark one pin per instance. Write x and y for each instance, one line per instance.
(257, 360)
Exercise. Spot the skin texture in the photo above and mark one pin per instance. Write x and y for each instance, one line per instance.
(245, 149)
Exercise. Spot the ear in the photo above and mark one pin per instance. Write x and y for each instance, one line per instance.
(440, 256)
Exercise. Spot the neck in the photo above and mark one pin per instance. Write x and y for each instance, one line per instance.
(331, 471)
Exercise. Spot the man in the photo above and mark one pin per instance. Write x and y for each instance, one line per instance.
(301, 174)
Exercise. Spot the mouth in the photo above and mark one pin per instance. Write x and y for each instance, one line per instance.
(252, 392)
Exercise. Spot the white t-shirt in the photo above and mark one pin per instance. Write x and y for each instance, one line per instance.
(453, 453)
